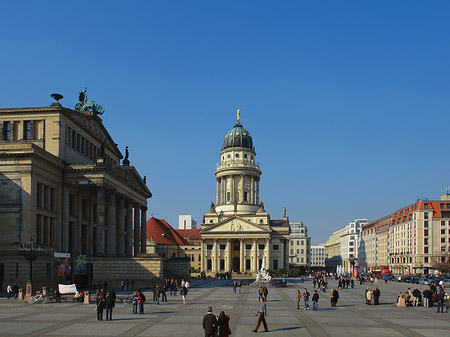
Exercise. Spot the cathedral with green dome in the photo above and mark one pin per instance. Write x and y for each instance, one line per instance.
(237, 232)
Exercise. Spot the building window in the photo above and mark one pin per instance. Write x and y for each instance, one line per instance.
(303, 251)
(425, 250)
(442, 223)
(425, 224)
(209, 247)
(209, 264)
(425, 241)
(248, 247)
(275, 247)
(27, 130)
(222, 247)
(275, 264)
(425, 232)
(6, 130)
(245, 196)
(236, 248)
(261, 246)
(222, 264)
(442, 240)
(71, 204)
(247, 264)
(426, 259)
(443, 231)
(303, 243)
(292, 251)
(228, 196)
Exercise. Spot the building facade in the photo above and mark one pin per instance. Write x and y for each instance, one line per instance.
(186, 222)
(299, 245)
(237, 232)
(333, 256)
(350, 244)
(414, 239)
(317, 256)
(62, 185)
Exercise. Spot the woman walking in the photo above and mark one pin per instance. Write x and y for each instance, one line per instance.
(100, 307)
(224, 326)
(368, 296)
(135, 302)
(298, 297)
(183, 293)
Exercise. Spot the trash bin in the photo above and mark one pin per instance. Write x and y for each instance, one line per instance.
(86, 297)
(20, 297)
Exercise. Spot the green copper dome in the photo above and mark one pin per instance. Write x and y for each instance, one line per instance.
(238, 137)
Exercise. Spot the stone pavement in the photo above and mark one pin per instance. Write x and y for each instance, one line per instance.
(173, 318)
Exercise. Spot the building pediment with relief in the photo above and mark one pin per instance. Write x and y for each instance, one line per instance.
(234, 225)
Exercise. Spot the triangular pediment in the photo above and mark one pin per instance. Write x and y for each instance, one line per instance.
(235, 224)
(130, 174)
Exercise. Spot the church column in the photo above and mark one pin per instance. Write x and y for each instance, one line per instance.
(282, 242)
(215, 259)
(229, 266)
(257, 191)
(252, 190)
(121, 227)
(267, 253)
(202, 256)
(111, 224)
(255, 256)
(218, 191)
(129, 230)
(143, 230)
(100, 237)
(241, 255)
(136, 230)
(242, 189)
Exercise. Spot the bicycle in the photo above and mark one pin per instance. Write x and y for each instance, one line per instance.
(38, 299)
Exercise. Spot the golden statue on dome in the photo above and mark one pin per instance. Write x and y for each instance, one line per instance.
(239, 113)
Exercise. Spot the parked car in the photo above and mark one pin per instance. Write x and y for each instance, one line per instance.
(424, 281)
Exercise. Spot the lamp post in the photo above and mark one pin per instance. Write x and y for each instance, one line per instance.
(31, 251)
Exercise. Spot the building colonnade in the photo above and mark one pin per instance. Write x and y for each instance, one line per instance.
(237, 189)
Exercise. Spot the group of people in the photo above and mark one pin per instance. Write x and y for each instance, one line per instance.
(372, 294)
(237, 285)
(138, 301)
(345, 282)
(105, 302)
(305, 295)
(263, 292)
(125, 285)
(435, 293)
(216, 326)
(320, 279)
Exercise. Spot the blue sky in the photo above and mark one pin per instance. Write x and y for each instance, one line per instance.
(347, 102)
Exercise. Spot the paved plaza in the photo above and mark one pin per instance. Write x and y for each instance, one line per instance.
(176, 319)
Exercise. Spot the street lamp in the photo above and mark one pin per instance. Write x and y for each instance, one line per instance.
(31, 251)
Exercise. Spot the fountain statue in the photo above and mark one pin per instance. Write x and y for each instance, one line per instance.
(263, 278)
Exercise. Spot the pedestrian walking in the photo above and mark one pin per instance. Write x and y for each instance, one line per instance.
(239, 286)
(163, 294)
(100, 307)
(298, 297)
(122, 285)
(306, 299)
(265, 292)
(209, 323)
(9, 291)
(223, 323)
(315, 300)
(426, 298)
(156, 294)
(15, 290)
(109, 305)
(262, 312)
(447, 301)
(183, 293)
(334, 296)
(234, 286)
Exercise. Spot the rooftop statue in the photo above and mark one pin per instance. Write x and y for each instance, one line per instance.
(86, 104)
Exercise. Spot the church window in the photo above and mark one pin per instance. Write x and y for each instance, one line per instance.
(209, 264)
(247, 264)
(245, 156)
(236, 248)
(261, 246)
(275, 264)
(211, 221)
(228, 196)
(261, 221)
(229, 156)
(237, 155)
(222, 264)
(209, 247)
(222, 247)
(276, 247)
(248, 247)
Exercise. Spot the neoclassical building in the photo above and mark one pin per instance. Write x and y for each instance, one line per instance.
(237, 232)
(62, 183)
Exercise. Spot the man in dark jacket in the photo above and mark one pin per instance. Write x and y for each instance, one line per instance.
(416, 293)
(440, 300)
(210, 323)
(376, 296)
(426, 298)
(109, 305)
